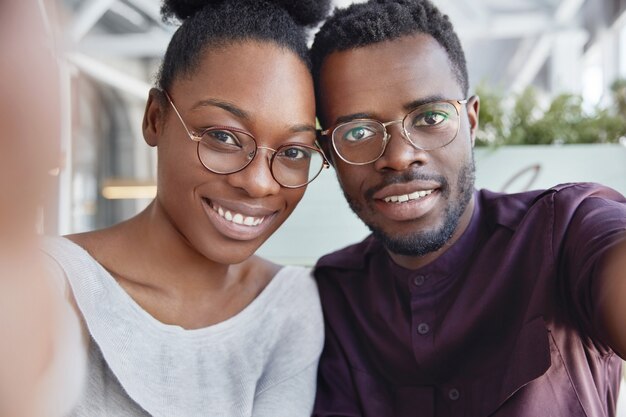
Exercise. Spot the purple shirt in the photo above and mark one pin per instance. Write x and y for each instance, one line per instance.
(502, 324)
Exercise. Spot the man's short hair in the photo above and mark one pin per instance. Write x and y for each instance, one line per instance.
(376, 21)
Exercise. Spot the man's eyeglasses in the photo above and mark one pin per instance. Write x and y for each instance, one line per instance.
(226, 150)
(430, 126)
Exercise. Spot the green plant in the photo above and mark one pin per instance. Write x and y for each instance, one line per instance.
(564, 121)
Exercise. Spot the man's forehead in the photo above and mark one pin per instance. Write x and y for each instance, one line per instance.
(390, 73)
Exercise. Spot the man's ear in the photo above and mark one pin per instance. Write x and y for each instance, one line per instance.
(473, 109)
(154, 117)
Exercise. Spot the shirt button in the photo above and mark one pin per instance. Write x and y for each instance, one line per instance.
(454, 394)
(418, 281)
(423, 328)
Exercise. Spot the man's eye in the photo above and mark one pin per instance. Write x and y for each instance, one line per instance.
(430, 118)
(358, 133)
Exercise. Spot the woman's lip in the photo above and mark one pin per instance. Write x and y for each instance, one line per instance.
(237, 231)
(242, 208)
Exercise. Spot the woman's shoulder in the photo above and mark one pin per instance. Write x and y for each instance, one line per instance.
(293, 300)
(283, 280)
(65, 252)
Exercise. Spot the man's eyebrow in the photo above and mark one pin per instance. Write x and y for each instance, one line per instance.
(229, 107)
(407, 106)
(420, 101)
(350, 117)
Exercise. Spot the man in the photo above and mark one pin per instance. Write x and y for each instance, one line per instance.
(461, 302)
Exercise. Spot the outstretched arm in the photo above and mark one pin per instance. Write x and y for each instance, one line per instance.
(612, 298)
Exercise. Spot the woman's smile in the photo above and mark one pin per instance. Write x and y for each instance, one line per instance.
(237, 221)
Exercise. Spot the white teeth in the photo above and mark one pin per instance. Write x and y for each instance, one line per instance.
(237, 218)
(407, 197)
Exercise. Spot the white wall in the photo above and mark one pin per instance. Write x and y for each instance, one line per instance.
(323, 222)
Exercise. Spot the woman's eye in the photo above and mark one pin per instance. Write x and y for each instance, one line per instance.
(222, 136)
(359, 133)
(430, 118)
(296, 153)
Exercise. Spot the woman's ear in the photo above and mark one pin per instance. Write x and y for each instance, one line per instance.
(154, 117)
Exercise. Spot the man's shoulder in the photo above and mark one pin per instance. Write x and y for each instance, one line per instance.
(510, 209)
(351, 257)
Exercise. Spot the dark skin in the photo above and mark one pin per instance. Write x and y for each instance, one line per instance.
(177, 259)
(357, 83)
(382, 81)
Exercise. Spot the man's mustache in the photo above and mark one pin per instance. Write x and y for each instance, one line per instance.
(406, 177)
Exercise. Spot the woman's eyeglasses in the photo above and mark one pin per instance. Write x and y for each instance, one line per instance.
(226, 150)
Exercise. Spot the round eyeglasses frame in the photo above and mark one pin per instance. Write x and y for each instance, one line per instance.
(405, 134)
(198, 139)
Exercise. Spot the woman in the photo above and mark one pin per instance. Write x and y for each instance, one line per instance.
(183, 319)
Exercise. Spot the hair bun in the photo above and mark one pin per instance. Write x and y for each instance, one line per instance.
(303, 12)
(184, 9)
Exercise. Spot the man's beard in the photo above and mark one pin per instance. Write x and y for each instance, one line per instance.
(422, 243)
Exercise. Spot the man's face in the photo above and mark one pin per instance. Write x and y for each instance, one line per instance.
(385, 81)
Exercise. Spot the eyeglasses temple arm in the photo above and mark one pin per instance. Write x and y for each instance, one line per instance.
(193, 137)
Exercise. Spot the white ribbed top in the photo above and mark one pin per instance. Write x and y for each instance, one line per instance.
(260, 362)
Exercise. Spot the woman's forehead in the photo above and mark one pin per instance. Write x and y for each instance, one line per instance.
(258, 78)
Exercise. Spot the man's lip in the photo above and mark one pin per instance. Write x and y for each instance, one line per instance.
(404, 188)
(409, 209)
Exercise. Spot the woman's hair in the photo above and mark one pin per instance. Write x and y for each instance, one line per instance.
(219, 23)
(377, 21)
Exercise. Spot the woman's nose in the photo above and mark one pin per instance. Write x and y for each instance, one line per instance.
(257, 178)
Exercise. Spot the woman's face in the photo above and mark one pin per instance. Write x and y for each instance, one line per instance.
(254, 86)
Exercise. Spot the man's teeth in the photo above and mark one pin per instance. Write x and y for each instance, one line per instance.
(406, 197)
(237, 218)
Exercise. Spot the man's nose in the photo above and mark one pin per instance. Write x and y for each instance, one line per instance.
(399, 153)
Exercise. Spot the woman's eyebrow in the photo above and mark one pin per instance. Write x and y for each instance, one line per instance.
(229, 107)
(302, 128)
(242, 114)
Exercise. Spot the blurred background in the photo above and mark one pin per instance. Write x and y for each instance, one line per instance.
(550, 74)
